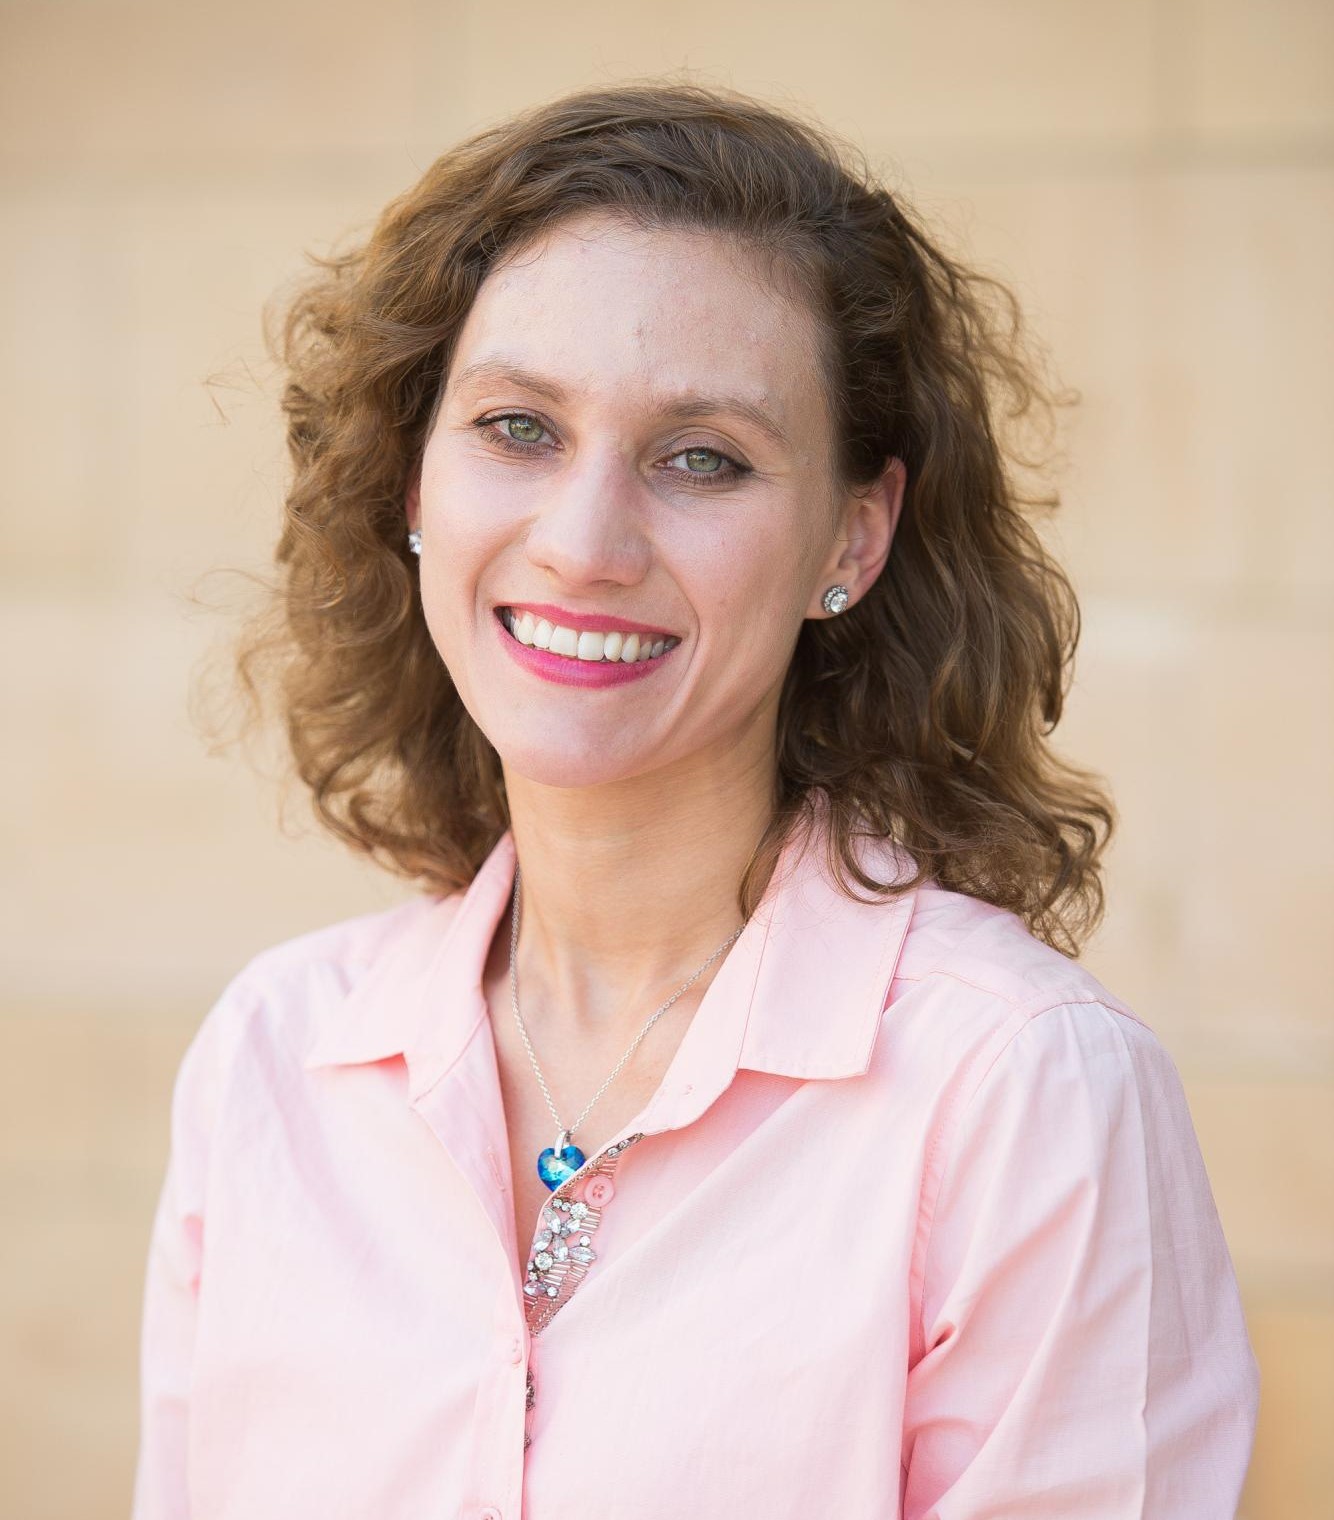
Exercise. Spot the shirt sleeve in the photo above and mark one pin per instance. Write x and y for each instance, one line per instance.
(1083, 1351)
(172, 1277)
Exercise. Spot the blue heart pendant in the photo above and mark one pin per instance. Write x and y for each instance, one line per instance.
(554, 1168)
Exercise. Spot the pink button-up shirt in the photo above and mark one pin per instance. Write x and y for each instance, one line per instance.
(916, 1225)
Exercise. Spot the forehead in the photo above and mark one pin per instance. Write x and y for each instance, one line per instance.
(605, 307)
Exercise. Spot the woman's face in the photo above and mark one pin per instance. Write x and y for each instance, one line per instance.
(633, 435)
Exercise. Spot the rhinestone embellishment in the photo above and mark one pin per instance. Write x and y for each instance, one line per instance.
(562, 1249)
(562, 1252)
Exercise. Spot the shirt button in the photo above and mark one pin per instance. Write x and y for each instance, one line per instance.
(516, 1351)
(599, 1191)
(489, 1513)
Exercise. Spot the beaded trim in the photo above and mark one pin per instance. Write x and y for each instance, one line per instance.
(562, 1252)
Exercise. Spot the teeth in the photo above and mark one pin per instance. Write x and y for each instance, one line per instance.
(627, 648)
(564, 641)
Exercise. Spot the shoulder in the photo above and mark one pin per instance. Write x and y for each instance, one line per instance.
(958, 941)
(277, 996)
(1032, 1072)
(978, 1001)
(342, 949)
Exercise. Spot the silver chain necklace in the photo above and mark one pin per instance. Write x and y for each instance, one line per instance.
(560, 1162)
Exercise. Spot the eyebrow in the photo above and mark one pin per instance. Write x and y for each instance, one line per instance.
(670, 409)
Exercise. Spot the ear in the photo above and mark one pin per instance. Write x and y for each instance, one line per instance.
(412, 499)
(867, 522)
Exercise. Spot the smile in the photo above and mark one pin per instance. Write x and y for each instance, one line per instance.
(585, 644)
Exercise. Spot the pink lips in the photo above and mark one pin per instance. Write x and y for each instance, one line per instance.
(564, 671)
(594, 622)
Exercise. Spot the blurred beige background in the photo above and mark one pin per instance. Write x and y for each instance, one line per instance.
(1156, 179)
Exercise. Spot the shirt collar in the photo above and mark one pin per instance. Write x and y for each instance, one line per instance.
(799, 994)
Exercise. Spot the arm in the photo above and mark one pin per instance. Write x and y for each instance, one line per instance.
(1083, 1354)
(172, 1278)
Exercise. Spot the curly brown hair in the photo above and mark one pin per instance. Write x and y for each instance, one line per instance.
(921, 715)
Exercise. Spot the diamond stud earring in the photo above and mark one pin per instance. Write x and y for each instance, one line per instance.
(415, 541)
(835, 599)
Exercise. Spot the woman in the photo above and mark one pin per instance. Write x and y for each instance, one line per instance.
(728, 1128)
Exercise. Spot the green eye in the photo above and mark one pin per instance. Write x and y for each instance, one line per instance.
(712, 465)
(521, 434)
(523, 429)
(694, 456)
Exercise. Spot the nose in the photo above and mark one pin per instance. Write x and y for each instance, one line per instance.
(590, 526)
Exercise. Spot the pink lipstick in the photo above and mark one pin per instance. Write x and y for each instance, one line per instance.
(594, 622)
(566, 670)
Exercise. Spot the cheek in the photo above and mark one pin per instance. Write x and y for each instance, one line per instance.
(438, 611)
(468, 516)
(751, 609)
(452, 571)
(460, 518)
(763, 577)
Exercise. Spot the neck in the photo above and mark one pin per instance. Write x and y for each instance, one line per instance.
(628, 888)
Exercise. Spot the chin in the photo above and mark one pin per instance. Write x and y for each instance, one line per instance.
(588, 765)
